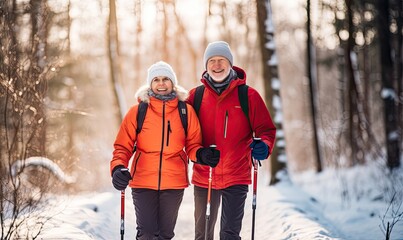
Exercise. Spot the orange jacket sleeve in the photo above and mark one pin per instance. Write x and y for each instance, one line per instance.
(125, 140)
(194, 137)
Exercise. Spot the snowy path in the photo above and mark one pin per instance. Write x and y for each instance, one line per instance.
(279, 215)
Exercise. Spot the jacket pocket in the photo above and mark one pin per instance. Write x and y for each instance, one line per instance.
(226, 124)
(169, 131)
(135, 164)
(185, 164)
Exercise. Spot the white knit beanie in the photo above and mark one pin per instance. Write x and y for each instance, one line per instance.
(161, 69)
(218, 48)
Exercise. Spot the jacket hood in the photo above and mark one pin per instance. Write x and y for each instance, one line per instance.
(142, 93)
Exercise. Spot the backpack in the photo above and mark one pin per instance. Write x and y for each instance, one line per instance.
(242, 95)
(142, 110)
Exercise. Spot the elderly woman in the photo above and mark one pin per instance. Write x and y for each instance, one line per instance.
(159, 171)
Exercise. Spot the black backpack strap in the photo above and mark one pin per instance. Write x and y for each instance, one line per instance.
(243, 99)
(141, 115)
(198, 98)
(182, 108)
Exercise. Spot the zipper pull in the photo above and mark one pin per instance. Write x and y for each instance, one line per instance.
(225, 124)
(169, 130)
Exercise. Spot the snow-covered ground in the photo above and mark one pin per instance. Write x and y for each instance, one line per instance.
(346, 204)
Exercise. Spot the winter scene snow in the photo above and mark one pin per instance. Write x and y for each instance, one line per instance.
(329, 73)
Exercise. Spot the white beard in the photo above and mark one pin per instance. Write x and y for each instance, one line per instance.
(221, 77)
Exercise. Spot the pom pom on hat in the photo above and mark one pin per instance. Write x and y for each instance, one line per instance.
(218, 48)
(161, 68)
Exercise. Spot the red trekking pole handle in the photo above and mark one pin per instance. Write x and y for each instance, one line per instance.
(210, 179)
(122, 210)
(254, 200)
(122, 214)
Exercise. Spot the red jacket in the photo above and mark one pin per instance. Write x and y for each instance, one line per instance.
(160, 161)
(224, 124)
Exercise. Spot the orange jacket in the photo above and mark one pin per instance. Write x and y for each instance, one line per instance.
(160, 161)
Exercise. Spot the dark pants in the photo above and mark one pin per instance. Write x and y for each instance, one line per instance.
(232, 211)
(156, 212)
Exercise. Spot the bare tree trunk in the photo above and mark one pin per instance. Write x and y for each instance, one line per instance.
(206, 23)
(350, 84)
(139, 30)
(367, 90)
(311, 69)
(357, 119)
(278, 159)
(70, 122)
(366, 62)
(400, 71)
(114, 62)
(388, 93)
(164, 42)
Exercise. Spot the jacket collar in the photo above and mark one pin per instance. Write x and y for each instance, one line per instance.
(142, 93)
(241, 80)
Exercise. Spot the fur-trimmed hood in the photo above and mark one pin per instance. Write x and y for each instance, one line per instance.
(142, 93)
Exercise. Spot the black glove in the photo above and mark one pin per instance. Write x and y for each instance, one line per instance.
(260, 150)
(208, 156)
(120, 177)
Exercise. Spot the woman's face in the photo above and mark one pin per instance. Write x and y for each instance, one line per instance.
(218, 68)
(161, 85)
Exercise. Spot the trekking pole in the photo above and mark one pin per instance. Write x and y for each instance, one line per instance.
(255, 163)
(122, 210)
(122, 214)
(210, 178)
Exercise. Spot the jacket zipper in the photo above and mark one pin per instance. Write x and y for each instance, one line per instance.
(225, 124)
(162, 146)
(169, 130)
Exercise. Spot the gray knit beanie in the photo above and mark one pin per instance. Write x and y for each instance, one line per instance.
(161, 69)
(218, 48)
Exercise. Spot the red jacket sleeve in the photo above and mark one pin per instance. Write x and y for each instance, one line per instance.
(260, 119)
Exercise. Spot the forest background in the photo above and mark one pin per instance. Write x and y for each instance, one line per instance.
(330, 73)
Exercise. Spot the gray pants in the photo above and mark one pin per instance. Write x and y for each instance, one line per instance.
(156, 212)
(232, 211)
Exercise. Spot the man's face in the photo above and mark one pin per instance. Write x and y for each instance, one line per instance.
(161, 85)
(218, 68)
